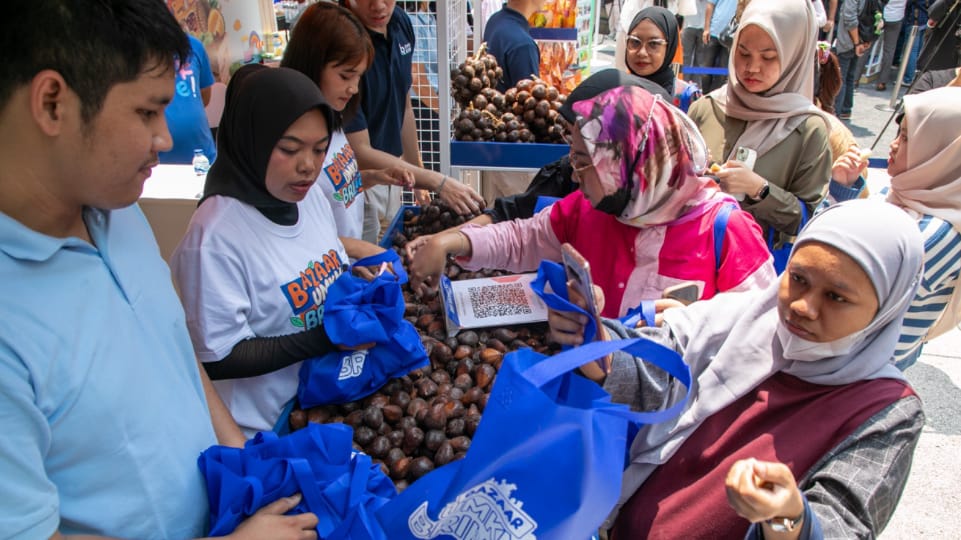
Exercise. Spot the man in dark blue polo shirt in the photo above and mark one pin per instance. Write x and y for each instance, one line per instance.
(384, 133)
(508, 38)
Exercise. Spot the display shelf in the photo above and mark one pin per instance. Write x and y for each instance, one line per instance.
(494, 155)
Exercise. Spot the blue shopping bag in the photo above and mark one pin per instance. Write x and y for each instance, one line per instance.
(783, 253)
(342, 487)
(545, 461)
(358, 311)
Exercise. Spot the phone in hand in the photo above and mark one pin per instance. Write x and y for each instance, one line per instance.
(578, 272)
(686, 293)
(746, 157)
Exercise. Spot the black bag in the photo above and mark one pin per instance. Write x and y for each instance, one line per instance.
(726, 36)
(871, 20)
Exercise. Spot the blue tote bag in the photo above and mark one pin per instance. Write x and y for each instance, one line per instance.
(342, 487)
(782, 253)
(356, 312)
(546, 460)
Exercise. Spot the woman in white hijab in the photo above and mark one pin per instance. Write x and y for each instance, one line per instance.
(798, 421)
(925, 167)
(765, 114)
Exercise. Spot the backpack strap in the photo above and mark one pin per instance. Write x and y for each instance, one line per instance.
(720, 229)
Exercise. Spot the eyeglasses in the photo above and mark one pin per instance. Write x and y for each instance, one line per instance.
(635, 43)
(578, 169)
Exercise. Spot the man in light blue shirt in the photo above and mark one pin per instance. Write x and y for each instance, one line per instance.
(103, 407)
(717, 15)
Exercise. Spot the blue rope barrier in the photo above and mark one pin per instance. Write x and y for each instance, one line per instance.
(692, 70)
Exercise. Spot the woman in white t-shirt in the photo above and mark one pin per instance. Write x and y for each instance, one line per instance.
(262, 248)
(332, 47)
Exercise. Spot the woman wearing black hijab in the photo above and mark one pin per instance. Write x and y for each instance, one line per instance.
(651, 44)
(260, 251)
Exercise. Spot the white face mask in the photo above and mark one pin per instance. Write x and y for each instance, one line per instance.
(802, 350)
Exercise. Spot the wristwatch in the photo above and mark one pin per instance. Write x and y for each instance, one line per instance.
(761, 193)
(783, 524)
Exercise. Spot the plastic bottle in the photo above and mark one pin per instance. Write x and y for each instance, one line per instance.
(200, 162)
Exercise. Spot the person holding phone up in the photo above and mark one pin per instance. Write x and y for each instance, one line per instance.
(765, 112)
(644, 217)
(799, 426)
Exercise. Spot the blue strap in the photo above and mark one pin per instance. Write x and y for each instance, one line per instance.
(307, 480)
(669, 360)
(550, 272)
(645, 311)
(387, 256)
(720, 230)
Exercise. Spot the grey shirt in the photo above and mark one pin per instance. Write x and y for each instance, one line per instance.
(848, 20)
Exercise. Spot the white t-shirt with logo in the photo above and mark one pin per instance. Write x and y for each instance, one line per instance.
(240, 276)
(339, 179)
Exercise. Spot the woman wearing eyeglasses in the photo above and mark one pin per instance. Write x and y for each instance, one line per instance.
(651, 44)
(642, 217)
(765, 113)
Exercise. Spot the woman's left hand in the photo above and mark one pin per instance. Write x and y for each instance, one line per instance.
(391, 176)
(734, 178)
(762, 490)
(460, 197)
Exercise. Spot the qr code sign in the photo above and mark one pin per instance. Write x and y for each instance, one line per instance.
(499, 300)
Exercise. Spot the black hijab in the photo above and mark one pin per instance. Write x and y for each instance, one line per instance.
(602, 81)
(667, 23)
(260, 104)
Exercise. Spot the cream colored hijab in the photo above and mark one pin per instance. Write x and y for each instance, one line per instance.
(932, 182)
(773, 115)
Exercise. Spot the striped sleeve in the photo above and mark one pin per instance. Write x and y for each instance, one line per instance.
(942, 262)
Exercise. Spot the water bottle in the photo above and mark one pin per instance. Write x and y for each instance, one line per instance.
(200, 162)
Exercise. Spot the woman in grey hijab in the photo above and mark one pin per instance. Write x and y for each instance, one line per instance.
(796, 410)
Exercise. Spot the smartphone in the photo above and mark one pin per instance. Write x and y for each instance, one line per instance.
(685, 293)
(746, 156)
(578, 272)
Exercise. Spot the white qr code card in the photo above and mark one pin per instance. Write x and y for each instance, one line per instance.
(494, 301)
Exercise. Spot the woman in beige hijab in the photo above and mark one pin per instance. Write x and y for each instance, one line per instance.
(765, 114)
(925, 167)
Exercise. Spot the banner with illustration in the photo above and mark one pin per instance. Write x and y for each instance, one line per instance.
(229, 29)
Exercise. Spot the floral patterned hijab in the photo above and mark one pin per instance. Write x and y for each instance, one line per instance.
(647, 154)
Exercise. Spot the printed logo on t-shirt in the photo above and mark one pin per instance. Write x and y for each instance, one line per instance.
(306, 293)
(344, 176)
(405, 48)
(186, 81)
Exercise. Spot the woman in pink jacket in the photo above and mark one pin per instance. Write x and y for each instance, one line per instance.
(643, 217)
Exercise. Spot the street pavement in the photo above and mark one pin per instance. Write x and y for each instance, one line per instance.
(929, 507)
(931, 504)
